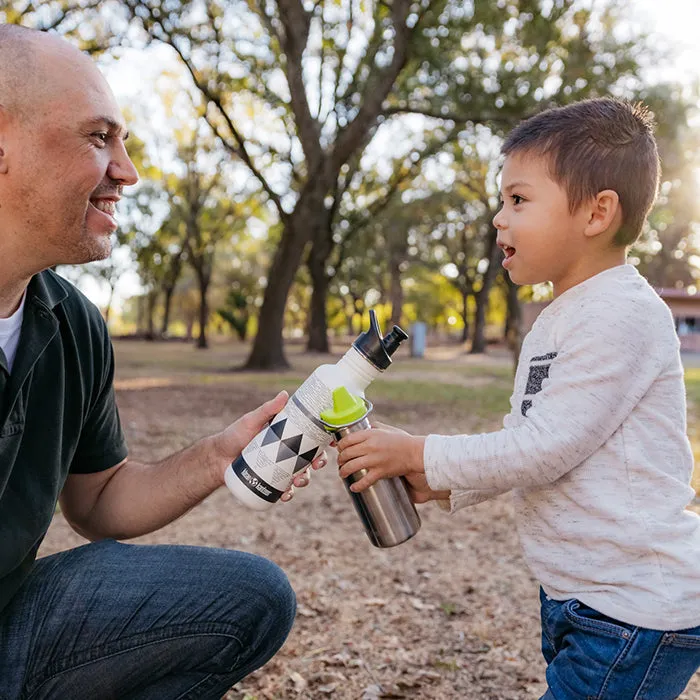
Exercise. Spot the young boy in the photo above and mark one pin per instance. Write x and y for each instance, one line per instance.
(595, 446)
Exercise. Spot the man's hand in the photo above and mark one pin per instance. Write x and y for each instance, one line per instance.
(232, 440)
(383, 451)
(229, 443)
(132, 498)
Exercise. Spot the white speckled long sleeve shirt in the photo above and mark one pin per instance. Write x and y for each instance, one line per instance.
(596, 452)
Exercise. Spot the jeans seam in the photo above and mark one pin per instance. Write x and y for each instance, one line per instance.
(545, 615)
(621, 655)
(594, 625)
(202, 683)
(125, 645)
(661, 649)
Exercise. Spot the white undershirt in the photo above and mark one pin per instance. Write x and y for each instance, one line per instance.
(9, 333)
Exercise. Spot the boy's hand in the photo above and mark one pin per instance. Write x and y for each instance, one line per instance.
(384, 452)
(422, 493)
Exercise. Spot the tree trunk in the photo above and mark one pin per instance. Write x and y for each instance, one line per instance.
(318, 321)
(169, 288)
(350, 317)
(358, 309)
(140, 313)
(268, 349)
(202, 343)
(395, 292)
(150, 313)
(482, 296)
(465, 316)
(513, 309)
(513, 329)
(167, 301)
(242, 329)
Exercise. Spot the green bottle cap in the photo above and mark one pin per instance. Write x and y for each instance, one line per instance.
(346, 408)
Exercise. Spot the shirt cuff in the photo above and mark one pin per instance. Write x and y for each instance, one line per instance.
(432, 457)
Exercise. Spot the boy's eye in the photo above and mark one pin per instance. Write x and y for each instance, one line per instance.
(517, 199)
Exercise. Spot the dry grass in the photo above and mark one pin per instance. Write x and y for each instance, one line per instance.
(452, 613)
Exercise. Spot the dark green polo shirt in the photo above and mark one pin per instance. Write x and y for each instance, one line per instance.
(57, 415)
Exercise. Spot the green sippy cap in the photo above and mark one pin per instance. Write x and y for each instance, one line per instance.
(347, 408)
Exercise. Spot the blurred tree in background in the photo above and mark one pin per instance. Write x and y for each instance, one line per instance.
(369, 135)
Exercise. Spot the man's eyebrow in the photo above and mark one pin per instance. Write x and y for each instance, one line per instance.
(112, 124)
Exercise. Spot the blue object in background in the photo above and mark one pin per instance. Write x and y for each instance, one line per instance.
(418, 334)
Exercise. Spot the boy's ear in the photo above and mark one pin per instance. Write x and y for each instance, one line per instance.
(604, 212)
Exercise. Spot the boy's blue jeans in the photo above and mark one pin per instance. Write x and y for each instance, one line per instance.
(592, 657)
(134, 622)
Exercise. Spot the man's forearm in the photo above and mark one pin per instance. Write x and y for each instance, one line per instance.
(140, 498)
(132, 499)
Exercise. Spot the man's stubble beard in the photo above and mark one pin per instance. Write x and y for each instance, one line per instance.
(91, 248)
(86, 249)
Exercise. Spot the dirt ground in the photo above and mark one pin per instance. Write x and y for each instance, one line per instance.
(453, 613)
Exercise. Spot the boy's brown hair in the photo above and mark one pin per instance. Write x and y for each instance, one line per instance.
(595, 145)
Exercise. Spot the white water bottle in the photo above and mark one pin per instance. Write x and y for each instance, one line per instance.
(295, 436)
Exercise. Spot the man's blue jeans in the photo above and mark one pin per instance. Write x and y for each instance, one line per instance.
(135, 622)
(593, 657)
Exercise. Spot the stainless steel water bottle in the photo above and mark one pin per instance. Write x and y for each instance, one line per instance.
(385, 508)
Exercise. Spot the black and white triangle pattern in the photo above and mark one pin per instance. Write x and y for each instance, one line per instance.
(286, 446)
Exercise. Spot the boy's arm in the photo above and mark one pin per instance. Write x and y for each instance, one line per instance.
(602, 371)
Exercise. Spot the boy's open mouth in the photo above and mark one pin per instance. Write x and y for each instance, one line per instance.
(508, 251)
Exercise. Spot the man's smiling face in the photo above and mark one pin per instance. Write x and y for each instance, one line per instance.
(65, 160)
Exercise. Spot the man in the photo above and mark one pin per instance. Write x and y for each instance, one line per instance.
(106, 620)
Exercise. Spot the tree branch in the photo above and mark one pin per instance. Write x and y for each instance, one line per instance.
(350, 139)
(322, 58)
(64, 14)
(267, 21)
(341, 60)
(296, 23)
(451, 116)
(239, 148)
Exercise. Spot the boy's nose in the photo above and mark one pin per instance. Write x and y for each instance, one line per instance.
(499, 221)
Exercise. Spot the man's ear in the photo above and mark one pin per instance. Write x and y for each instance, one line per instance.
(4, 121)
(604, 212)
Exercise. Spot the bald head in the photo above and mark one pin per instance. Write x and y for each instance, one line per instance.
(29, 60)
(17, 65)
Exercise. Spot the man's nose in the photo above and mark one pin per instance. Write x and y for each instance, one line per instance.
(121, 168)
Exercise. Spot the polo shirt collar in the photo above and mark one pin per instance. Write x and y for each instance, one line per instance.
(39, 326)
(47, 289)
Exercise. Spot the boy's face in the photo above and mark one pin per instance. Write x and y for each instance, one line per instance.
(541, 239)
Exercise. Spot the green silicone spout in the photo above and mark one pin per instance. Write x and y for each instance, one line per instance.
(347, 408)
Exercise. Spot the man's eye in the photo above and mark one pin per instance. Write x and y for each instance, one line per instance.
(517, 199)
(101, 136)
